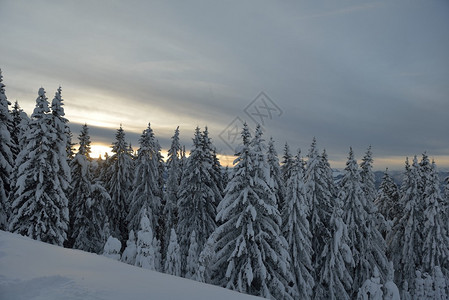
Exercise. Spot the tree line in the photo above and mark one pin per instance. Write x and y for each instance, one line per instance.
(281, 230)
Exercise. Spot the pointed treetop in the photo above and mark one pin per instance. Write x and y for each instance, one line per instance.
(298, 155)
(57, 103)
(287, 154)
(407, 164)
(259, 132)
(120, 145)
(271, 148)
(41, 105)
(246, 135)
(174, 153)
(351, 164)
(313, 151)
(84, 138)
(2, 86)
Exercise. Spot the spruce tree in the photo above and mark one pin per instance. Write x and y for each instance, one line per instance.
(130, 252)
(198, 195)
(119, 186)
(212, 159)
(296, 229)
(367, 177)
(170, 210)
(146, 192)
(387, 200)
(365, 241)
(320, 194)
(192, 257)
(276, 175)
(435, 236)
(87, 200)
(6, 157)
(286, 163)
(206, 259)
(441, 284)
(334, 279)
(111, 248)
(40, 208)
(146, 254)
(405, 239)
(371, 288)
(62, 139)
(19, 124)
(173, 256)
(251, 254)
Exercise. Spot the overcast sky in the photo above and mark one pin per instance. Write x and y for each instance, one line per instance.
(350, 73)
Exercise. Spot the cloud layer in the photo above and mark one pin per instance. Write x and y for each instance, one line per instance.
(351, 74)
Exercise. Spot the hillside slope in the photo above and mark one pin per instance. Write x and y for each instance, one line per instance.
(34, 270)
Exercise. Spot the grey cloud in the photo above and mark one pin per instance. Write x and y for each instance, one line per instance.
(357, 73)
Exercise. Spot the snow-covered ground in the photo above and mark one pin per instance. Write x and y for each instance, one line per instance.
(34, 270)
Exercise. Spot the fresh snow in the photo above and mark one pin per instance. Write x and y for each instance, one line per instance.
(35, 270)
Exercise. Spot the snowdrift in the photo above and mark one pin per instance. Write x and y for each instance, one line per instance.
(34, 270)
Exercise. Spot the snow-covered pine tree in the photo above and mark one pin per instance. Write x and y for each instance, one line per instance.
(207, 257)
(276, 175)
(440, 283)
(119, 185)
(62, 143)
(320, 194)
(212, 159)
(367, 177)
(130, 252)
(197, 196)
(87, 201)
(365, 241)
(296, 229)
(170, 210)
(40, 207)
(387, 200)
(111, 248)
(429, 292)
(286, 164)
(425, 173)
(146, 192)
(434, 232)
(192, 257)
(251, 254)
(161, 173)
(404, 185)
(334, 280)
(173, 256)
(419, 292)
(391, 290)
(371, 288)
(19, 124)
(145, 257)
(405, 240)
(368, 185)
(158, 264)
(6, 157)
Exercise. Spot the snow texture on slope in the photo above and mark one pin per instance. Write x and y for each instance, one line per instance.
(34, 270)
